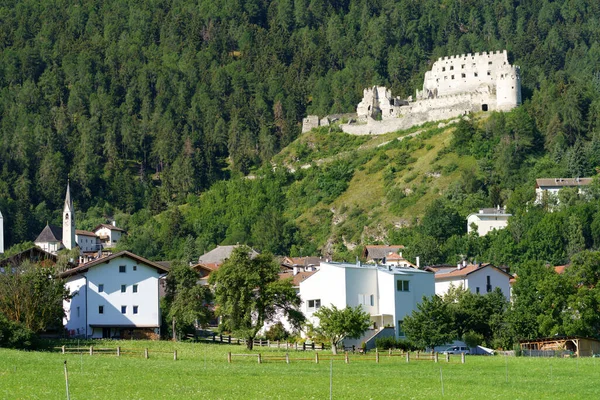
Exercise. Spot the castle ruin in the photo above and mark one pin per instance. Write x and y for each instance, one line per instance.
(455, 86)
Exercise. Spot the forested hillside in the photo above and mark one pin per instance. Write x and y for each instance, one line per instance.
(145, 105)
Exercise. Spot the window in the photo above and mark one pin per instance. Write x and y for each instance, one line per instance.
(489, 63)
(443, 69)
(462, 66)
(101, 288)
(489, 285)
(135, 309)
(78, 312)
(123, 288)
(489, 73)
(452, 68)
(475, 74)
(403, 286)
(314, 304)
(134, 288)
(372, 300)
(400, 331)
(100, 309)
(123, 309)
(463, 75)
(452, 76)
(122, 268)
(477, 290)
(135, 267)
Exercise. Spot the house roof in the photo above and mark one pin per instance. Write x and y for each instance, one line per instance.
(372, 252)
(220, 254)
(560, 269)
(564, 182)
(33, 254)
(296, 279)
(464, 271)
(491, 211)
(108, 226)
(84, 233)
(301, 261)
(87, 266)
(50, 233)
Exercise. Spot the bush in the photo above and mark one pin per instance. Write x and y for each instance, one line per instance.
(390, 342)
(277, 332)
(15, 335)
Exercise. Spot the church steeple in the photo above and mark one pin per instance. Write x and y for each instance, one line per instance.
(68, 221)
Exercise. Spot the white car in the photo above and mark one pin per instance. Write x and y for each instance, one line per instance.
(457, 350)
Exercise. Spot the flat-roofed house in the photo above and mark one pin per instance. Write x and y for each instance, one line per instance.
(487, 220)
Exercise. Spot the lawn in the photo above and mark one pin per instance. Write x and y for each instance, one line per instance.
(202, 372)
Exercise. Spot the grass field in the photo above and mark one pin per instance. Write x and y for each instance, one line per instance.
(202, 372)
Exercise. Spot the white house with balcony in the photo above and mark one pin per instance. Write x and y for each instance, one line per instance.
(549, 187)
(487, 220)
(477, 278)
(387, 293)
(115, 296)
(109, 234)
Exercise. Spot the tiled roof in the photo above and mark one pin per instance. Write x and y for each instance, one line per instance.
(220, 254)
(372, 252)
(296, 279)
(560, 269)
(208, 266)
(86, 266)
(562, 182)
(84, 233)
(108, 226)
(301, 261)
(50, 233)
(464, 271)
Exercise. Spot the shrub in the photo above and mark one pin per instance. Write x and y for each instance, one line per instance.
(277, 332)
(15, 335)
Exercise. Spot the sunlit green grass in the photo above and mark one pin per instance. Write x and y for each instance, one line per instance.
(202, 372)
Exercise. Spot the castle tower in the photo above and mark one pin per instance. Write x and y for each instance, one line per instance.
(508, 88)
(1, 233)
(68, 227)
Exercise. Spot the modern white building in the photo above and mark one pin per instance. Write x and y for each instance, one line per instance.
(114, 296)
(480, 279)
(488, 219)
(549, 187)
(387, 293)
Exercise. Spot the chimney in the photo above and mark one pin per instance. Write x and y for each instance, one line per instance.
(418, 262)
(400, 254)
(459, 266)
(295, 271)
(464, 263)
(114, 223)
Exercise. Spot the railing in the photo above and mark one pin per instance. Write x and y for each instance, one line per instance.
(117, 351)
(227, 339)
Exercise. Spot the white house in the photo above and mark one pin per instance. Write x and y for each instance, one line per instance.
(87, 241)
(551, 186)
(387, 293)
(114, 296)
(480, 278)
(488, 219)
(109, 235)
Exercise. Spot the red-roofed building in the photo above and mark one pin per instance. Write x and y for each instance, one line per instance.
(478, 278)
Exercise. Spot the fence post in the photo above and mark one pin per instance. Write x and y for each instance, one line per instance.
(174, 355)
(260, 342)
(304, 346)
(416, 358)
(353, 349)
(259, 359)
(118, 351)
(346, 358)
(63, 349)
(221, 337)
(316, 358)
(287, 358)
(447, 357)
(91, 350)
(213, 337)
(238, 341)
(462, 358)
(390, 352)
(296, 344)
(322, 346)
(436, 357)
(229, 357)
(407, 356)
(377, 355)
(287, 345)
(146, 353)
(313, 345)
(229, 339)
(278, 344)
(268, 343)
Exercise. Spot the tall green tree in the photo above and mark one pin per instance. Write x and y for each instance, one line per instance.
(430, 325)
(336, 324)
(249, 293)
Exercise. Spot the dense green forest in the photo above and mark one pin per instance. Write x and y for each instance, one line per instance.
(156, 110)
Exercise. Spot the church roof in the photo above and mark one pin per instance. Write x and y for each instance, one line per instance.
(50, 233)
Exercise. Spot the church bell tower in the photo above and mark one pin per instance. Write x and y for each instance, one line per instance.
(68, 226)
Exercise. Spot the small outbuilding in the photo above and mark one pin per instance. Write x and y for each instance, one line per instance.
(577, 345)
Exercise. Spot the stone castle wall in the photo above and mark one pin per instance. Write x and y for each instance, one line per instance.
(453, 87)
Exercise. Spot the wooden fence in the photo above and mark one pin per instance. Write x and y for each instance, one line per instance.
(376, 356)
(265, 343)
(117, 351)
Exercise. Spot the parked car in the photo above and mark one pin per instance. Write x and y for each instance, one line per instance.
(457, 350)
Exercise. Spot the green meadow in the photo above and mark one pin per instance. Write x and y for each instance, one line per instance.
(202, 372)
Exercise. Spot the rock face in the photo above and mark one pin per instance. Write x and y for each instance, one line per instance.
(455, 86)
